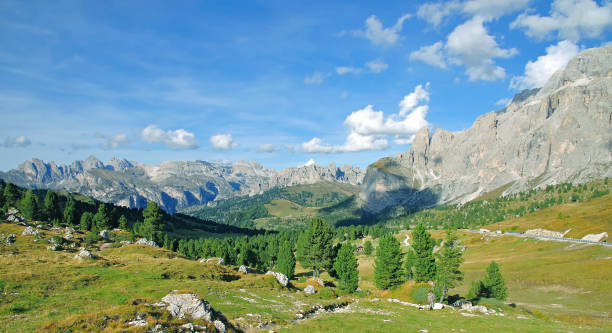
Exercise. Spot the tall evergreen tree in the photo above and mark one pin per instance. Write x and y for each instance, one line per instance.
(248, 257)
(102, 219)
(367, 248)
(493, 284)
(11, 194)
(448, 273)
(52, 209)
(409, 264)
(70, 215)
(123, 223)
(86, 222)
(29, 206)
(286, 260)
(153, 220)
(388, 264)
(425, 263)
(346, 268)
(315, 247)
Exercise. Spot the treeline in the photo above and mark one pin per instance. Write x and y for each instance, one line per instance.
(479, 213)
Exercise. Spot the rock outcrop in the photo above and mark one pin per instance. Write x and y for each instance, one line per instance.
(282, 279)
(188, 305)
(173, 185)
(559, 133)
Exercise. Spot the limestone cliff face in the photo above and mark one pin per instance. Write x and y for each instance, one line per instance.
(561, 132)
(173, 185)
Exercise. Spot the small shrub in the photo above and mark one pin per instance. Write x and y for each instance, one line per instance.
(326, 293)
(92, 237)
(419, 293)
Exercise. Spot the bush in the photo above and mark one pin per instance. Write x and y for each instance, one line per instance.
(92, 237)
(419, 293)
(475, 290)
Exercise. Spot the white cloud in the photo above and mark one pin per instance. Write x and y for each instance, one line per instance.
(571, 19)
(504, 102)
(431, 54)
(487, 10)
(266, 148)
(223, 142)
(347, 70)
(539, 71)
(316, 78)
(376, 66)
(369, 129)
(177, 139)
(470, 45)
(309, 163)
(434, 13)
(17, 142)
(379, 35)
(113, 142)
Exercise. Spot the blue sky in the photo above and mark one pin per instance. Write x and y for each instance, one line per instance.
(278, 82)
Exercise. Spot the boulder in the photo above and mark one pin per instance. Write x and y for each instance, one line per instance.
(221, 261)
(144, 241)
(596, 237)
(438, 306)
(10, 239)
(309, 289)
(220, 326)
(182, 305)
(462, 304)
(104, 234)
(280, 277)
(30, 231)
(54, 247)
(318, 281)
(244, 269)
(83, 254)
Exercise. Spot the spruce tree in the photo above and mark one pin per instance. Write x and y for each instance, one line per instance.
(123, 223)
(52, 210)
(70, 215)
(425, 263)
(86, 222)
(11, 195)
(448, 273)
(493, 284)
(153, 220)
(29, 206)
(388, 264)
(102, 219)
(409, 264)
(367, 248)
(315, 247)
(286, 260)
(346, 268)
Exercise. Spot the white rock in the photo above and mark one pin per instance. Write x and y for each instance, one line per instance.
(144, 241)
(30, 231)
(181, 305)
(220, 326)
(596, 237)
(54, 247)
(280, 277)
(438, 306)
(83, 254)
(243, 269)
(309, 289)
(104, 234)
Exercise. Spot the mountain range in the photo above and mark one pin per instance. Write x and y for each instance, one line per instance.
(561, 132)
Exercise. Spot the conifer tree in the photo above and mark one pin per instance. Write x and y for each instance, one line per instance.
(153, 221)
(102, 219)
(286, 260)
(29, 206)
(346, 268)
(448, 273)
(86, 221)
(425, 263)
(11, 194)
(123, 223)
(388, 264)
(315, 247)
(409, 264)
(367, 248)
(70, 215)
(52, 210)
(493, 284)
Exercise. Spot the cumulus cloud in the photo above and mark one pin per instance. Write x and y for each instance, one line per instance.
(316, 78)
(266, 148)
(432, 55)
(504, 102)
(369, 128)
(376, 66)
(223, 142)
(539, 71)
(571, 19)
(379, 35)
(113, 141)
(347, 70)
(309, 163)
(16, 142)
(177, 139)
(471, 45)
(434, 13)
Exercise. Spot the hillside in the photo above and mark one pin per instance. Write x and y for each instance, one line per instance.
(559, 133)
(286, 208)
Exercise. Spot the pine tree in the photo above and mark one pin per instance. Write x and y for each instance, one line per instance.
(493, 284)
(70, 215)
(11, 194)
(425, 263)
(123, 223)
(102, 219)
(153, 220)
(367, 248)
(286, 260)
(52, 210)
(86, 221)
(315, 247)
(29, 206)
(409, 264)
(448, 273)
(346, 268)
(388, 265)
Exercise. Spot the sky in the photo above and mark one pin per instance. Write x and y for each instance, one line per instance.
(283, 83)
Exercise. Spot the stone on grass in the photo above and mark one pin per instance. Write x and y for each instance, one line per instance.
(280, 277)
(309, 289)
(438, 306)
(318, 281)
(83, 254)
(54, 247)
(220, 326)
(104, 234)
(30, 231)
(144, 241)
(244, 269)
(182, 305)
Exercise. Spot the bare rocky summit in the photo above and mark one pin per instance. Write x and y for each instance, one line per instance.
(559, 133)
(173, 185)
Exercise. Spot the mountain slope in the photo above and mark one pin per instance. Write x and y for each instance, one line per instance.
(561, 132)
(173, 185)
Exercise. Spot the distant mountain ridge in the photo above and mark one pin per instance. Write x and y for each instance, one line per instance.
(559, 133)
(174, 184)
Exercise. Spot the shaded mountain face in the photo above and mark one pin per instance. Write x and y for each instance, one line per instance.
(173, 185)
(561, 132)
